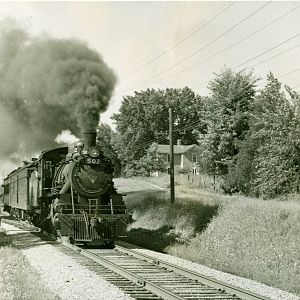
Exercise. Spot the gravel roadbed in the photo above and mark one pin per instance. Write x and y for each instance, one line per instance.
(66, 278)
(252, 286)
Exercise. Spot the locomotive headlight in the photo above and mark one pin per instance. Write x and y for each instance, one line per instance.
(94, 152)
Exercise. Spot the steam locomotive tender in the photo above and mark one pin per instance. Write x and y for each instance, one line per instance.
(72, 193)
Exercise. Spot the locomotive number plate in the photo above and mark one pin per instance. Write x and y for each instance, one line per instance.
(93, 161)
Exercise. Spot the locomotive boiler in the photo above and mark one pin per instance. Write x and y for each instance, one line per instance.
(69, 192)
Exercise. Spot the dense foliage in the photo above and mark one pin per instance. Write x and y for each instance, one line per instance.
(275, 128)
(144, 119)
(248, 136)
(227, 119)
(106, 140)
(267, 164)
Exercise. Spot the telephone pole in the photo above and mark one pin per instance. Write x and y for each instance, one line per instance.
(172, 186)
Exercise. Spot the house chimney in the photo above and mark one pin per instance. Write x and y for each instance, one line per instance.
(178, 142)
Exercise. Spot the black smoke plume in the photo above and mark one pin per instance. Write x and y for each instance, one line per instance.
(48, 85)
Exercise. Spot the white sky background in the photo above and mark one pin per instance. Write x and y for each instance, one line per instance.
(143, 41)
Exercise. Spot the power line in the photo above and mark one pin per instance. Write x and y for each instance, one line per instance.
(148, 143)
(278, 45)
(261, 54)
(224, 8)
(287, 50)
(232, 45)
(297, 70)
(280, 76)
(202, 48)
(160, 139)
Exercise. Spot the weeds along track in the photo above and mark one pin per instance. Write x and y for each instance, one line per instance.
(143, 277)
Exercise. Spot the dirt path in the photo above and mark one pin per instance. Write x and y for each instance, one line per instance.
(129, 185)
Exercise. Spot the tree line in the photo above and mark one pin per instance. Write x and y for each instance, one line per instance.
(248, 136)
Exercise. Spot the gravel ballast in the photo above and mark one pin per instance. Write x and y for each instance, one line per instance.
(64, 276)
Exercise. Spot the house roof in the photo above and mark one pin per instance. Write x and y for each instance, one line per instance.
(178, 149)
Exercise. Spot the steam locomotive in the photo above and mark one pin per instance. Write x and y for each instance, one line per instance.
(69, 193)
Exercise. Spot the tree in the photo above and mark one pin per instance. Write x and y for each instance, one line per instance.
(241, 174)
(227, 119)
(106, 140)
(144, 116)
(150, 162)
(275, 126)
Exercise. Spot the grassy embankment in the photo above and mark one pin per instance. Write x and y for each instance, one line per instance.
(18, 280)
(253, 238)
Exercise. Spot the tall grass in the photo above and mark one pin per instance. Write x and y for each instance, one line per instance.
(18, 280)
(251, 238)
(154, 211)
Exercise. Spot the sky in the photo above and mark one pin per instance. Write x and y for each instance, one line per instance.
(174, 44)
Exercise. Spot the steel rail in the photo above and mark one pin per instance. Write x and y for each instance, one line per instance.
(228, 288)
(154, 288)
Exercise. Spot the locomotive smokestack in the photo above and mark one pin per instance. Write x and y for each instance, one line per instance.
(89, 139)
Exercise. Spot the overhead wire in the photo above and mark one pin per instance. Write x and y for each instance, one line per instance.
(258, 55)
(286, 74)
(272, 48)
(249, 60)
(159, 139)
(276, 55)
(231, 45)
(187, 127)
(280, 76)
(201, 48)
(220, 12)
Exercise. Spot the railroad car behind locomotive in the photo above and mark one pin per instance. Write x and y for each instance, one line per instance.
(71, 192)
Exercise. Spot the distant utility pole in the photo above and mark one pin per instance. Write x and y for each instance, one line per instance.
(172, 186)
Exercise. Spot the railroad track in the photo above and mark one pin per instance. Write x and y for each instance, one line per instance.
(143, 277)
